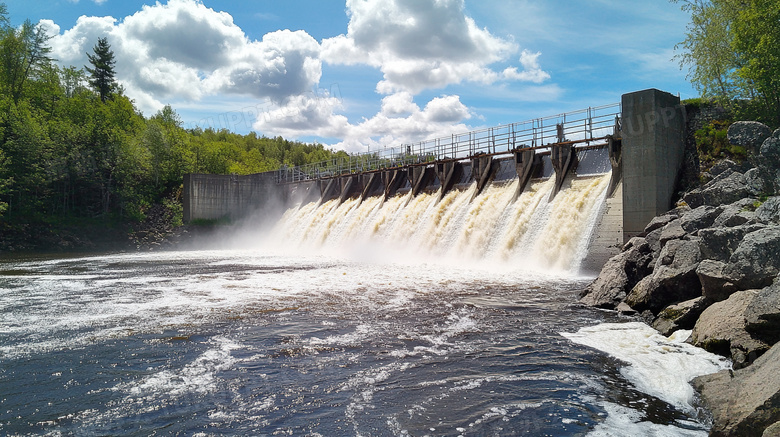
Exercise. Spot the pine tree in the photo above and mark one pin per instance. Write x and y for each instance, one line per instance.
(103, 72)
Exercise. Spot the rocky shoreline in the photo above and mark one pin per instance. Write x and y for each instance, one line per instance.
(711, 265)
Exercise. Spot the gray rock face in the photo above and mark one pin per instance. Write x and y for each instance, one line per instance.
(673, 280)
(720, 191)
(721, 330)
(772, 431)
(756, 182)
(619, 275)
(756, 261)
(769, 211)
(660, 221)
(672, 231)
(763, 315)
(748, 134)
(716, 285)
(736, 214)
(680, 316)
(700, 218)
(747, 403)
(770, 151)
(720, 243)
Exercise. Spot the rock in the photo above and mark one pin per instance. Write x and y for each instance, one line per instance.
(744, 402)
(756, 182)
(721, 190)
(748, 134)
(776, 133)
(715, 284)
(673, 280)
(654, 240)
(672, 231)
(624, 309)
(680, 316)
(660, 221)
(619, 275)
(721, 243)
(756, 261)
(700, 218)
(737, 213)
(721, 330)
(770, 153)
(722, 166)
(763, 314)
(769, 211)
(772, 430)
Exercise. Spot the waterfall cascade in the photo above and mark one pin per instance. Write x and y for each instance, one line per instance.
(531, 233)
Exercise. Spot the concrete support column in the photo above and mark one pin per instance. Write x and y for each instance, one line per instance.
(448, 173)
(482, 170)
(563, 159)
(526, 164)
(653, 127)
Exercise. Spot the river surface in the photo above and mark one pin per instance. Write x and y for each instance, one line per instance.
(247, 342)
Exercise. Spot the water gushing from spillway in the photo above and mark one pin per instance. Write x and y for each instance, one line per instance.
(531, 233)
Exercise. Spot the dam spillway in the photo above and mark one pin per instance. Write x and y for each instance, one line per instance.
(465, 198)
(532, 232)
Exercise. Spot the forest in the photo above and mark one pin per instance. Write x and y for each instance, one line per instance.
(75, 149)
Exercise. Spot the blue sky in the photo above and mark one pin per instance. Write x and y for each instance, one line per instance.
(370, 73)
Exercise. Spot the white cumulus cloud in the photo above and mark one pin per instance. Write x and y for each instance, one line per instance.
(422, 45)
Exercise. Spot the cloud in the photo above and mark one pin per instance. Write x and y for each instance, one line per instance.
(422, 45)
(399, 121)
(183, 50)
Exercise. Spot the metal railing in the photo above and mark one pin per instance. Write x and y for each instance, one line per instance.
(584, 126)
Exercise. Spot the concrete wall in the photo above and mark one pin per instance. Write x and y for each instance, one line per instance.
(653, 129)
(213, 197)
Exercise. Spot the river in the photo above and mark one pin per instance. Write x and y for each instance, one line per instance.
(467, 326)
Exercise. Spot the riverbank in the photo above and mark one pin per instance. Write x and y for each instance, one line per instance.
(711, 265)
(159, 230)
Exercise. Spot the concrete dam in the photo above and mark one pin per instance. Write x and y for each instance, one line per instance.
(557, 194)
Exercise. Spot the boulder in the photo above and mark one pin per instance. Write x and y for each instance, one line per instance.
(727, 188)
(744, 402)
(772, 430)
(737, 213)
(715, 284)
(722, 166)
(721, 330)
(748, 134)
(721, 243)
(673, 280)
(763, 314)
(660, 221)
(672, 231)
(654, 240)
(770, 153)
(680, 316)
(619, 275)
(757, 182)
(756, 261)
(769, 211)
(700, 218)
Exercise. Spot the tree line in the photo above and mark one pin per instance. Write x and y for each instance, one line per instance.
(72, 144)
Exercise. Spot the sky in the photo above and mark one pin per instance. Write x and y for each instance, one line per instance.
(365, 74)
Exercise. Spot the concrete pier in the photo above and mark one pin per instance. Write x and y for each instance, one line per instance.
(653, 129)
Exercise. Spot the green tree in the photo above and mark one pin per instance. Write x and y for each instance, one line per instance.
(24, 53)
(102, 73)
(732, 51)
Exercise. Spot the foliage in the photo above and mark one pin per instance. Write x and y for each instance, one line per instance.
(713, 144)
(732, 50)
(74, 148)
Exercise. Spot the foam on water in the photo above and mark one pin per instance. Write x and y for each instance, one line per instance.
(656, 365)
